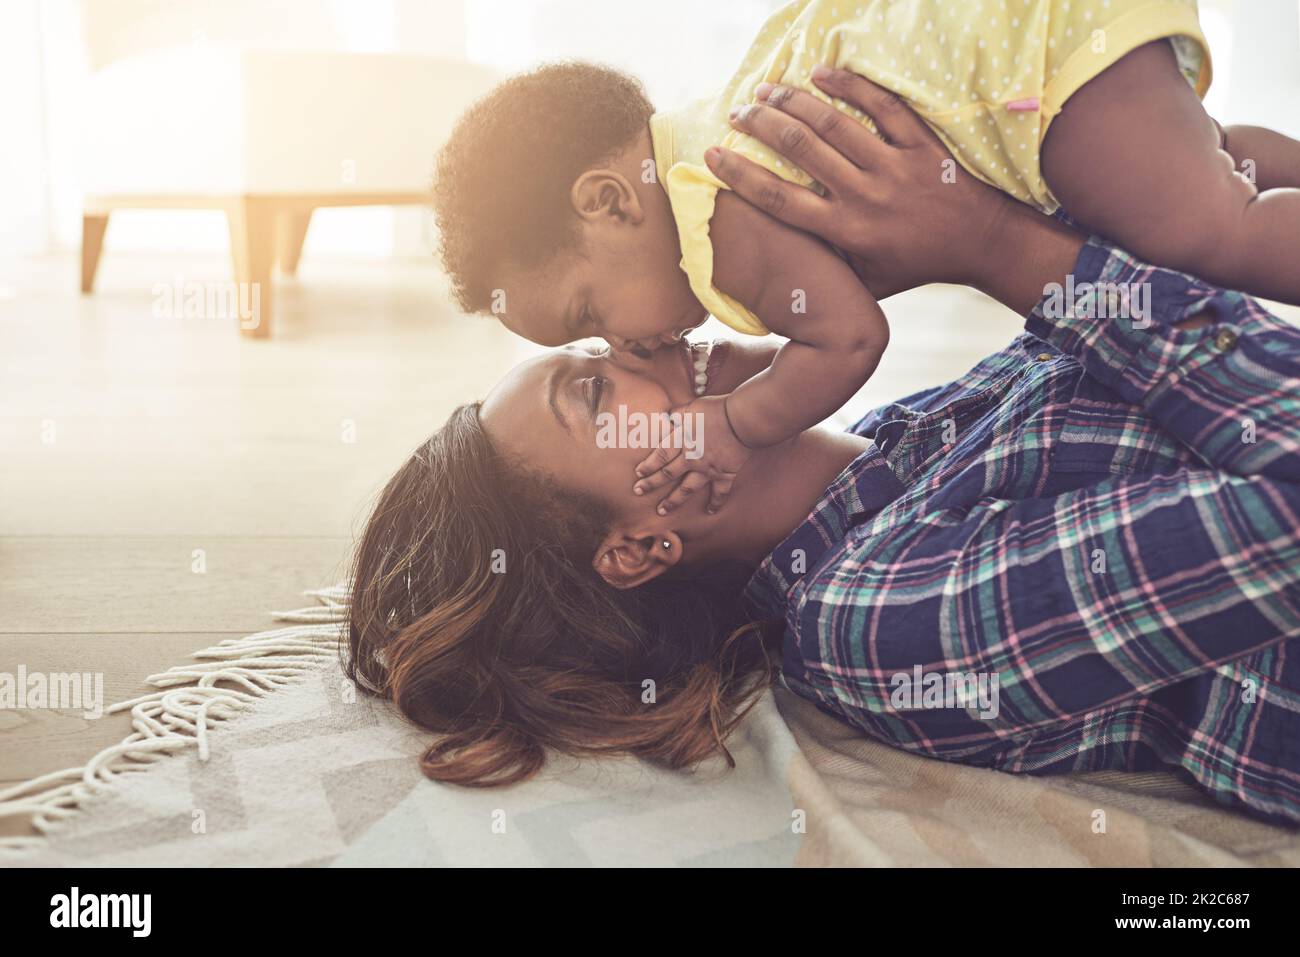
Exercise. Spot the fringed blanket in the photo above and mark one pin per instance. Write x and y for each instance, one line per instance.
(263, 754)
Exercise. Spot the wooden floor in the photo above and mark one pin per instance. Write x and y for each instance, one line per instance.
(129, 443)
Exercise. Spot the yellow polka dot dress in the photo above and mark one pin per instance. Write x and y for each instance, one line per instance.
(988, 76)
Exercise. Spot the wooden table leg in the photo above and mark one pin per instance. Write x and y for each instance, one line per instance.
(93, 226)
(252, 244)
(292, 233)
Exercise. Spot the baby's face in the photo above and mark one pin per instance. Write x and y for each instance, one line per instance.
(631, 294)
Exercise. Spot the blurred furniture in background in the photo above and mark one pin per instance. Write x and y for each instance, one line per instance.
(265, 135)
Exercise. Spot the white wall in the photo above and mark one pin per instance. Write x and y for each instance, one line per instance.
(43, 62)
(1262, 83)
(681, 49)
(24, 206)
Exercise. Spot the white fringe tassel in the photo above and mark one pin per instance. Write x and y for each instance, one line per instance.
(179, 716)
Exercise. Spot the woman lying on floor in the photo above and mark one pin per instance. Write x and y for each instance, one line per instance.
(1082, 554)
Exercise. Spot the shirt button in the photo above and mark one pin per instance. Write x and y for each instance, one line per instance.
(1044, 356)
(1225, 340)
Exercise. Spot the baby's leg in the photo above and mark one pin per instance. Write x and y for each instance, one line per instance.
(1134, 156)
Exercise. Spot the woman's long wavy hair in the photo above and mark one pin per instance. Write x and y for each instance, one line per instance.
(475, 609)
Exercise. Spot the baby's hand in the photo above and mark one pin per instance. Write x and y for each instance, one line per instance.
(702, 450)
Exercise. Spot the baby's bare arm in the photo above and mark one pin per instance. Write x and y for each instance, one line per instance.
(1135, 157)
(1266, 156)
(742, 359)
(799, 288)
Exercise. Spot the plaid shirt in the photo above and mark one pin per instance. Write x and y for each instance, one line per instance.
(1105, 517)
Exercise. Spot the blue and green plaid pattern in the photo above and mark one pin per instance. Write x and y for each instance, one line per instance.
(1105, 516)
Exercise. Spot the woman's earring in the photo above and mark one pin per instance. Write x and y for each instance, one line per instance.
(667, 544)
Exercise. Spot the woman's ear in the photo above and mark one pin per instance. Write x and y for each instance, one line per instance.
(604, 194)
(628, 560)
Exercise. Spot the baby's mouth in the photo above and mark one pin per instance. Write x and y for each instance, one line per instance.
(667, 340)
(679, 335)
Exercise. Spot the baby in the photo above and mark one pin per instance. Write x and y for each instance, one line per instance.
(569, 208)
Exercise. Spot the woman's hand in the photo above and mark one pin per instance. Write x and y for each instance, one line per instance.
(902, 207)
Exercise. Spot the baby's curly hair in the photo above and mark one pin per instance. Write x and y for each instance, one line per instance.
(501, 187)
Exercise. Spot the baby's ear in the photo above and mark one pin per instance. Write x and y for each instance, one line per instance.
(604, 194)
